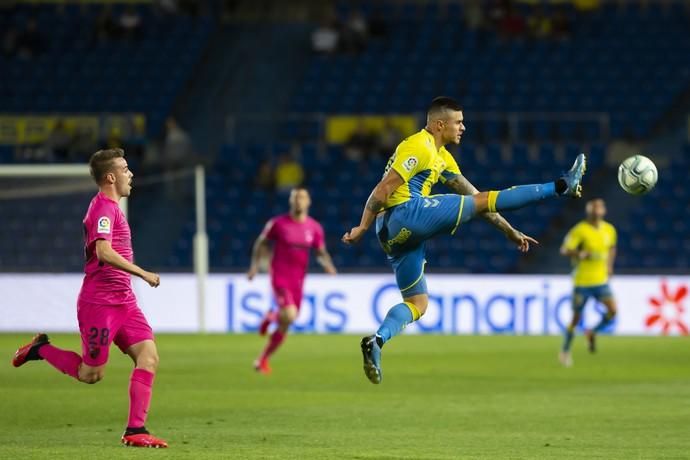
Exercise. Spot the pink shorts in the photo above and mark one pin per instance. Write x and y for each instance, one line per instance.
(101, 325)
(287, 296)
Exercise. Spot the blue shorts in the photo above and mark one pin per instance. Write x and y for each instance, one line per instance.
(403, 230)
(582, 294)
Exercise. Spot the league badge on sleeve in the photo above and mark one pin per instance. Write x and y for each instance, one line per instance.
(410, 164)
(103, 225)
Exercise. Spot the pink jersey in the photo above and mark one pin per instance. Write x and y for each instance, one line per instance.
(292, 242)
(103, 283)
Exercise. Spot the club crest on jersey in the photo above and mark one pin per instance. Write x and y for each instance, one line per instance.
(309, 236)
(410, 163)
(94, 352)
(103, 225)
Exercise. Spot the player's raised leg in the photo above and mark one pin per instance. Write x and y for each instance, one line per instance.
(65, 361)
(523, 195)
(95, 326)
(29, 352)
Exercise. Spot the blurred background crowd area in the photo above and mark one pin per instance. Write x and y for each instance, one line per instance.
(268, 95)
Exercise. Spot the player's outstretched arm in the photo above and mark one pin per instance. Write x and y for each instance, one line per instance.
(324, 259)
(107, 255)
(460, 185)
(612, 259)
(383, 190)
(259, 251)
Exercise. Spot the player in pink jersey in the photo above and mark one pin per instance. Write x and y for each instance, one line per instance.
(107, 309)
(293, 235)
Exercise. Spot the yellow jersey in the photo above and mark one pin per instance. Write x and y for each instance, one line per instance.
(598, 242)
(420, 165)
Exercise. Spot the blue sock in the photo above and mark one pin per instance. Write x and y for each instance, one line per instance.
(605, 321)
(568, 338)
(395, 321)
(520, 196)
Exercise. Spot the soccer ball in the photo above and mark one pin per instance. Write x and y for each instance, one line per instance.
(637, 175)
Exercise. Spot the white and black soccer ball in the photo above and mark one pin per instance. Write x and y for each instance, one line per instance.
(637, 175)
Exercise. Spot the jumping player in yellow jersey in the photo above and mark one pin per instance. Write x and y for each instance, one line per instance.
(591, 245)
(406, 215)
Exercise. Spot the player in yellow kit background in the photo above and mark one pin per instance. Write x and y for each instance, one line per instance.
(591, 245)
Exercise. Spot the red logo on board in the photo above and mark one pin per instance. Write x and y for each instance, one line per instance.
(667, 310)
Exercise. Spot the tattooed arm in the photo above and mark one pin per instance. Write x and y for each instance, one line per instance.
(375, 203)
(460, 185)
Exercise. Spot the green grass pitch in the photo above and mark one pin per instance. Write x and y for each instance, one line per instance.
(441, 398)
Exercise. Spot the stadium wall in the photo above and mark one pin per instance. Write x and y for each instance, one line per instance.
(493, 304)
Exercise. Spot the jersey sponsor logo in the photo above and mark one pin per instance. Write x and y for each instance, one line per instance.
(410, 164)
(103, 225)
(402, 236)
(431, 202)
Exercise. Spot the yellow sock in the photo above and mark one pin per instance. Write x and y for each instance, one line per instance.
(415, 313)
(493, 196)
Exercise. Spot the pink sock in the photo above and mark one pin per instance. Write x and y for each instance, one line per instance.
(274, 342)
(65, 361)
(140, 384)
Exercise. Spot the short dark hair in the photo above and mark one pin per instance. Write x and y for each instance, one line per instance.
(443, 103)
(101, 163)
